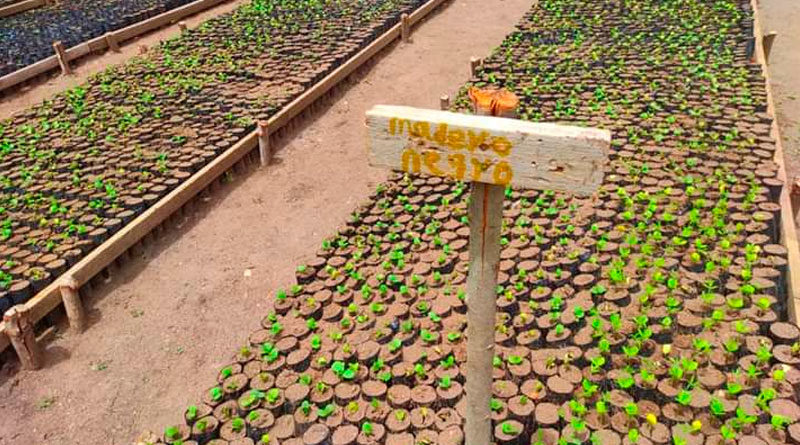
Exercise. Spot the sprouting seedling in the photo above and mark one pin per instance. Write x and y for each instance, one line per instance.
(633, 435)
(495, 405)
(172, 433)
(326, 410)
(445, 382)
(273, 395)
(264, 439)
(305, 407)
(400, 414)
(226, 372)
(514, 360)
(237, 424)
(191, 412)
(509, 428)
(367, 428)
(716, 407)
(216, 393)
(395, 344)
(631, 409)
(779, 422)
(733, 388)
(684, 397)
(316, 342)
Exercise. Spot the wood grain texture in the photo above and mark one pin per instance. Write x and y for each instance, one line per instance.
(485, 222)
(540, 156)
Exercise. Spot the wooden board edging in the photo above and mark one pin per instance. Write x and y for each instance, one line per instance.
(49, 298)
(22, 6)
(788, 232)
(99, 43)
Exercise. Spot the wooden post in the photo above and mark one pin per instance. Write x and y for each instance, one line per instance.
(485, 220)
(263, 143)
(111, 41)
(444, 102)
(766, 43)
(182, 27)
(474, 64)
(20, 331)
(62, 57)
(72, 303)
(405, 28)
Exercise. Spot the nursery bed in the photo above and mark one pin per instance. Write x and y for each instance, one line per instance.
(28, 36)
(176, 158)
(658, 311)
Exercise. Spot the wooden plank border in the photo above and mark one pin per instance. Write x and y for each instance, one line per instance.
(788, 231)
(22, 6)
(100, 43)
(50, 297)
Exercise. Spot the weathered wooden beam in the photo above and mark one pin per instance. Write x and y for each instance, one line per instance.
(19, 328)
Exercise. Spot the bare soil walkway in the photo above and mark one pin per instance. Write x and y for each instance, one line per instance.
(783, 16)
(165, 325)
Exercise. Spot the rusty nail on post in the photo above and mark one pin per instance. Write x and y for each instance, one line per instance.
(444, 102)
(474, 64)
(405, 28)
(264, 152)
(61, 55)
(20, 331)
(72, 303)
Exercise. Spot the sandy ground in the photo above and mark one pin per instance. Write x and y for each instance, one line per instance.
(40, 88)
(783, 16)
(168, 321)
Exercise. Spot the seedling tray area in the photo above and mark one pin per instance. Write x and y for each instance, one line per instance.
(654, 312)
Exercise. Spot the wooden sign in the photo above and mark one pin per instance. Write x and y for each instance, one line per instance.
(488, 149)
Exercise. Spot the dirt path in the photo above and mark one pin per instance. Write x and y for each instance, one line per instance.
(166, 324)
(783, 16)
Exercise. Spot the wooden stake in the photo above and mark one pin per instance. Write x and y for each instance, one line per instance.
(444, 102)
(72, 303)
(766, 42)
(182, 26)
(474, 64)
(263, 143)
(62, 58)
(20, 331)
(486, 217)
(405, 28)
(111, 41)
